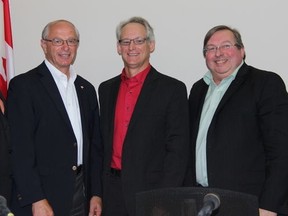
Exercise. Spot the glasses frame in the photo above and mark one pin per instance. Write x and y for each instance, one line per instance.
(136, 41)
(68, 41)
(221, 48)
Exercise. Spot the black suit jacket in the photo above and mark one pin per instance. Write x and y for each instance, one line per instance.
(5, 165)
(44, 147)
(154, 153)
(247, 141)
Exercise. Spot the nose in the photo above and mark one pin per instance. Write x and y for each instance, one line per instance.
(66, 42)
(131, 45)
(218, 51)
(65, 46)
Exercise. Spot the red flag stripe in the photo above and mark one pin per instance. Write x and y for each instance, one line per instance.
(7, 23)
(7, 59)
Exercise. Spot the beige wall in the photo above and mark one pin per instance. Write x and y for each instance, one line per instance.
(179, 26)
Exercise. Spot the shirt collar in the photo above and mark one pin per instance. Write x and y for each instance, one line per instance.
(57, 74)
(208, 78)
(140, 77)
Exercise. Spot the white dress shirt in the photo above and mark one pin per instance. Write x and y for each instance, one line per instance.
(69, 97)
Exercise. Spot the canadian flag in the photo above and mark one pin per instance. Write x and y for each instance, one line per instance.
(6, 48)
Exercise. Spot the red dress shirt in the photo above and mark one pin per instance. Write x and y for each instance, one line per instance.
(129, 91)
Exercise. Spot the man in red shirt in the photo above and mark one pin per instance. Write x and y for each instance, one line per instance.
(144, 123)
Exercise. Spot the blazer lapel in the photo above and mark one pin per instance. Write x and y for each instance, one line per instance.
(80, 89)
(52, 90)
(144, 96)
(196, 102)
(235, 85)
(113, 94)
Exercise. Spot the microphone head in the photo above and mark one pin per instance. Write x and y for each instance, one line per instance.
(214, 198)
(4, 210)
(3, 200)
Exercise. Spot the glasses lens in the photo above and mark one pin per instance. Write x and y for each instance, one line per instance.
(60, 42)
(211, 49)
(221, 48)
(139, 40)
(225, 46)
(72, 42)
(57, 42)
(125, 42)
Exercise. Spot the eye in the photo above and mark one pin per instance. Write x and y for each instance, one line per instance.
(139, 41)
(211, 49)
(226, 46)
(72, 41)
(124, 42)
(57, 41)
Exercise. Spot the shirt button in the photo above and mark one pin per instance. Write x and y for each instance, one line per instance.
(19, 197)
(74, 168)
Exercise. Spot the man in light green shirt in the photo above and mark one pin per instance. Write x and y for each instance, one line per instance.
(239, 125)
(213, 97)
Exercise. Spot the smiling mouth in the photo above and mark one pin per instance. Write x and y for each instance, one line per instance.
(64, 55)
(221, 61)
(132, 54)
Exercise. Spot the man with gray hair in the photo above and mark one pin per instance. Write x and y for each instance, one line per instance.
(55, 136)
(144, 123)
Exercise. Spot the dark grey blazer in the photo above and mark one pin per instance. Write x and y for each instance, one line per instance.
(5, 165)
(247, 141)
(156, 144)
(44, 148)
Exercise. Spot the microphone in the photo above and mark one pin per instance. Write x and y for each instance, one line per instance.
(4, 210)
(211, 202)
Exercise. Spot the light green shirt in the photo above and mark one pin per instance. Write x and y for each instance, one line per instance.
(212, 100)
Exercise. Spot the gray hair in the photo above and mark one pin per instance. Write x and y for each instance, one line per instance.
(46, 29)
(235, 32)
(149, 30)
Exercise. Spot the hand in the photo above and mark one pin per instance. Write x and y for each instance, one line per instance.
(2, 106)
(263, 212)
(42, 208)
(95, 206)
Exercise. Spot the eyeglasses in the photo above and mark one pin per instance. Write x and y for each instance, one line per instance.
(136, 41)
(60, 42)
(221, 48)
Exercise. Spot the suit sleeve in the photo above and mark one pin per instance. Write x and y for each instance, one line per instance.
(177, 138)
(21, 120)
(96, 153)
(273, 116)
(5, 169)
